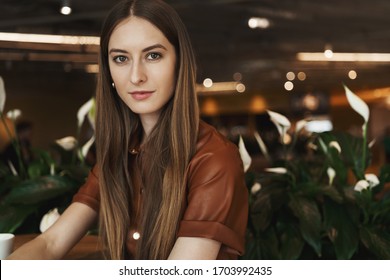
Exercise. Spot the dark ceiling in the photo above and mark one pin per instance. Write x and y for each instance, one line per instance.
(222, 39)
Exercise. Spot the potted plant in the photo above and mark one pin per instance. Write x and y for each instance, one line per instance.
(45, 183)
(321, 204)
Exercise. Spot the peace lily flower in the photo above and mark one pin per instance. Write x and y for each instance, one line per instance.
(2, 95)
(14, 114)
(49, 219)
(255, 188)
(67, 143)
(312, 146)
(357, 104)
(84, 110)
(278, 170)
(371, 180)
(246, 159)
(300, 125)
(331, 174)
(86, 147)
(335, 145)
(262, 145)
(281, 122)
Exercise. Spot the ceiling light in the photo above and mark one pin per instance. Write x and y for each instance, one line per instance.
(208, 83)
(352, 74)
(288, 86)
(256, 22)
(328, 52)
(349, 57)
(65, 8)
(290, 76)
(301, 76)
(49, 39)
(240, 87)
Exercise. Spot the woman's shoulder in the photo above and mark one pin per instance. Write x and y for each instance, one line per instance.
(214, 150)
(210, 140)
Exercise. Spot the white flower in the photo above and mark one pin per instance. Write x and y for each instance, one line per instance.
(2, 95)
(335, 145)
(372, 179)
(357, 104)
(67, 143)
(300, 125)
(281, 123)
(312, 146)
(361, 185)
(49, 219)
(92, 113)
(262, 146)
(331, 174)
(84, 110)
(279, 170)
(87, 146)
(279, 119)
(372, 143)
(255, 188)
(246, 159)
(14, 114)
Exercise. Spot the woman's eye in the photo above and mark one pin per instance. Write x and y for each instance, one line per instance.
(120, 59)
(153, 56)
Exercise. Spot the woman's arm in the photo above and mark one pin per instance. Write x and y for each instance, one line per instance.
(195, 248)
(61, 236)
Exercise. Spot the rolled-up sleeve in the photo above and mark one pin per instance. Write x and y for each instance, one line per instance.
(88, 193)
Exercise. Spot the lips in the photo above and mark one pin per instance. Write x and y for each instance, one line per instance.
(141, 94)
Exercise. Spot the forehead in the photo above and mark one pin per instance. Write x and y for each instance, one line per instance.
(135, 31)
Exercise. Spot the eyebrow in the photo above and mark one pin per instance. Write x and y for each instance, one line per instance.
(155, 46)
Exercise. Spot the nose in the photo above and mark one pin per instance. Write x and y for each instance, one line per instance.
(138, 74)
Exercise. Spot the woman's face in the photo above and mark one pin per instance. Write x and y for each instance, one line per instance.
(142, 65)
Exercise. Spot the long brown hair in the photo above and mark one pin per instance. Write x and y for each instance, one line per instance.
(170, 145)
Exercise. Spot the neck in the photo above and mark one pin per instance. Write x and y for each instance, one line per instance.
(148, 123)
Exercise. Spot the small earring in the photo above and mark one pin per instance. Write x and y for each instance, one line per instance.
(113, 85)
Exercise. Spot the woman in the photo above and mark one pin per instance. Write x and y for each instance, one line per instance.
(165, 185)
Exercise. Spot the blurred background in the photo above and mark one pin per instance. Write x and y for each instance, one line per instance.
(289, 56)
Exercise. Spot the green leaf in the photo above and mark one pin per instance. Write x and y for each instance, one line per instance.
(377, 241)
(267, 201)
(341, 229)
(12, 217)
(37, 190)
(309, 220)
(291, 243)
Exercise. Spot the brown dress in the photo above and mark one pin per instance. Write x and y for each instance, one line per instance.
(217, 199)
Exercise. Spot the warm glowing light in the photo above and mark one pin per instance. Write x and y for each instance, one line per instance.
(328, 53)
(301, 76)
(290, 76)
(240, 87)
(49, 39)
(350, 57)
(352, 74)
(237, 76)
(256, 22)
(92, 68)
(208, 83)
(136, 235)
(65, 10)
(288, 86)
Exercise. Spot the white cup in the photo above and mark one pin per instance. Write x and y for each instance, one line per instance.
(6, 244)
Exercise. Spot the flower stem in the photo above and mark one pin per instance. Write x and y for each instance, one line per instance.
(365, 125)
